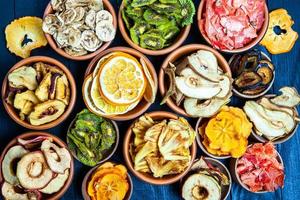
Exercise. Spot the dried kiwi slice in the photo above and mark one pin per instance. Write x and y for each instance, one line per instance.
(134, 13)
(138, 29)
(164, 8)
(152, 41)
(140, 3)
(187, 11)
(169, 31)
(168, 1)
(125, 19)
(155, 18)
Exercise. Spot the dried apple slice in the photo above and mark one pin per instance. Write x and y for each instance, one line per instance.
(56, 184)
(12, 154)
(33, 171)
(57, 164)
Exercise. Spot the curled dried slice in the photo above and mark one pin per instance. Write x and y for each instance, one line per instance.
(25, 102)
(46, 112)
(57, 5)
(104, 15)
(33, 171)
(105, 31)
(19, 30)
(9, 192)
(59, 160)
(90, 41)
(56, 184)
(23, 77)
(150, 91)
(289, 97)
(62, 91)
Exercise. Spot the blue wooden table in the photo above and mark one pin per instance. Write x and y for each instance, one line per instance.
(287, 74)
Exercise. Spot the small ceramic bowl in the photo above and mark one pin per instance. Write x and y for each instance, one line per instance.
(143, 104)
(56, 140)
(236, 177)
(245, 96)
(177, 42)
(279, 140)
(107, 154)
(14, 114)
(107, 5)
(166, 180)
(176, 55)
(260, 35)
(220, 166)
(84, 185)
(199, 140)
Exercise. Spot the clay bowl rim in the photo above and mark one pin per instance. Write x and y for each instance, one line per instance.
(177, 42)
(112, 149)
(137, 111)
(234, 162)
(156, 115)
(12, 112)
(279, 140)
(245, 96)
(89, 173)
(248, 46)
(107, 5)
(59, 142)
(199, 142)
(219, 165)
(178, 53)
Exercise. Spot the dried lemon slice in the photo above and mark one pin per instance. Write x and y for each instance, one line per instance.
(122, 80)
(26, 27)
(97, 104)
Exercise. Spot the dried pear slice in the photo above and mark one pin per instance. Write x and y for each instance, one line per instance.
(289, 97)
(151, 88)
(33, 171)
(46, 112)
(23, 77)
(25, 102)
(12, 154)
(18, 30)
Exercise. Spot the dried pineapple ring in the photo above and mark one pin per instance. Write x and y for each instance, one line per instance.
(16, 32)
(122, 80)
(284, 42)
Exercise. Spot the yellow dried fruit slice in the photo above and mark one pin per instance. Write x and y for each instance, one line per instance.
(112, 186)
(26, 27)
(151, 88)
(122, 80)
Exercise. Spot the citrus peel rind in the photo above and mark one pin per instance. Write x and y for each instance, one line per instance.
(17, 31)
(151, 88)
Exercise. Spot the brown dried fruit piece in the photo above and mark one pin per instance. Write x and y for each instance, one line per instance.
(46, 112)
(25, 27)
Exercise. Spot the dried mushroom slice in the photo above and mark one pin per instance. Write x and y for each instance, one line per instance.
(62, 91)
(23, 77)
(25, 102)
(90, 41)
(46, 112)
(90, 19)
(105, 31)
(104, 15)
(51, 24)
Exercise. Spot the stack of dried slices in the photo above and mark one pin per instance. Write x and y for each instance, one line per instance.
(118, 84)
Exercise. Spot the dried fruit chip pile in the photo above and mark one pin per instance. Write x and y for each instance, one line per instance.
(161, 147)
(226, 133)
(260, 168)
(118, 84)
(40, 92)
(108, 182)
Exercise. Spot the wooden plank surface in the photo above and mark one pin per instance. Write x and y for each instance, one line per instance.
(287, 73)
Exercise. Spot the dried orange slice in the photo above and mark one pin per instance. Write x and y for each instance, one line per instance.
(122, 80)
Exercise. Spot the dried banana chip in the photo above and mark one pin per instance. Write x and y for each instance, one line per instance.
(20, 29)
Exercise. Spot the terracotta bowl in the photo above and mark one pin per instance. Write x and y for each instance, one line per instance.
(106, 154)
(143, 104)
(158, 115)
(177, 42)
(280, 140)
(14, 114)
(176, 55)
(218, 165)
(236, 177)
(57, 141)
(107, 5)
(87, 177)
(250, 45)
(199, 140)
(245, 96)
